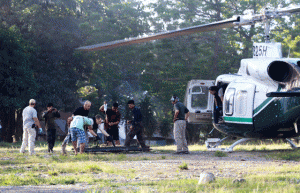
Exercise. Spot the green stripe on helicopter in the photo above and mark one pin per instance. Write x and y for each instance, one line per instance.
(263, 104)
(239, 119)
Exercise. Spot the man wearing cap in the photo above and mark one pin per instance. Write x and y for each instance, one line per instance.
(50, 115)
(180, 117)
(30, 120)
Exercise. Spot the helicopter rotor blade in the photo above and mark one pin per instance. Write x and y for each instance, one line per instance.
(201, 28)
(234, 21)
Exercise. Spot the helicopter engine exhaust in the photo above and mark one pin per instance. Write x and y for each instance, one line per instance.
(280, 71)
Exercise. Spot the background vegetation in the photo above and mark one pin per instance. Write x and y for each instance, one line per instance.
(38, 57)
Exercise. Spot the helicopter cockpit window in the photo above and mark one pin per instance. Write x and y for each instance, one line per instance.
(241, 103)
(199, 97)
(228, 101)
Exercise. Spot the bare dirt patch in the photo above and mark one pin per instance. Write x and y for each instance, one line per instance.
(236, 164)
(165, 166)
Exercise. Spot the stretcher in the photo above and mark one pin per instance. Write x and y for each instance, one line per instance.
(116, 149)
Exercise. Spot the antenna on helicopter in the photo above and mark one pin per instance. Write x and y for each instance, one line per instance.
(267, 27)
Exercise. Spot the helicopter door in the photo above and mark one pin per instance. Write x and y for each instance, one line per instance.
(238, 103)
(199, 101)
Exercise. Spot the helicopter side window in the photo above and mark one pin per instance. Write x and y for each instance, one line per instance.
(197, 89)
(228, 101)
(199, 97)
(241, 103)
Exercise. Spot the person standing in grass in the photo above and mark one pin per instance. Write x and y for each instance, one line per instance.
(30, 120)
(112, 120)
(180, 117)
(50, 115)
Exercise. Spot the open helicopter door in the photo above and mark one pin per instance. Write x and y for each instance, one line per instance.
(238, 103)
(199, 101)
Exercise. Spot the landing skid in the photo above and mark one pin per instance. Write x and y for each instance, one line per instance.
(294, 146)
(213, 143)
(117, 149)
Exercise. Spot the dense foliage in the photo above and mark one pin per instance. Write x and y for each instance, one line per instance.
(39, 59)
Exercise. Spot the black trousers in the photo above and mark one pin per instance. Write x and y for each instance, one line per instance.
(51, 135)
(138, 131)
(114, 132)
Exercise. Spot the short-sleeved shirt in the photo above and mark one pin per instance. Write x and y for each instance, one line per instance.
(81, 111)
(28, 114)
(79, 121)
(182, 110)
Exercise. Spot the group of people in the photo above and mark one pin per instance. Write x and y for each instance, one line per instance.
(79, 124)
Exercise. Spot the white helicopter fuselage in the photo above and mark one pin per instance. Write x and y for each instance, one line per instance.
(247, 110)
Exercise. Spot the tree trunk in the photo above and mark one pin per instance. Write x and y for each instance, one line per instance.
(11, 124)
(19, 125)
(4, 123)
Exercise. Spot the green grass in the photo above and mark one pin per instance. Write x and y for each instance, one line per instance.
(286, 155)
(220, 154)
(183, 166)
(21, 169)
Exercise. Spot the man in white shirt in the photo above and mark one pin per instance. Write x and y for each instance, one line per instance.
(29, 133)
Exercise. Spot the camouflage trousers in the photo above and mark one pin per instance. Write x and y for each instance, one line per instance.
(29, 135)
(179, 135)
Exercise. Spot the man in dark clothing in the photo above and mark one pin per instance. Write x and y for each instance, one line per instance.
(112, 120)
(136, 127)
(83, 111)
(218, 105)
(50, 116)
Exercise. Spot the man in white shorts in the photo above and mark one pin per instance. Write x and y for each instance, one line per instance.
(29, 133)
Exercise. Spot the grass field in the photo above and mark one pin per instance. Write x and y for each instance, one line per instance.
(53, 169)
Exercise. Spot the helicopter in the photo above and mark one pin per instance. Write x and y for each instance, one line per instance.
(261, 101)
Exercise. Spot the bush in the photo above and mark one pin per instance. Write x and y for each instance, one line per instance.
(183, 166)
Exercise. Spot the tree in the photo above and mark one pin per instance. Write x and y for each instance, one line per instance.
(149, 121)
(16, 79)
(165, 127)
